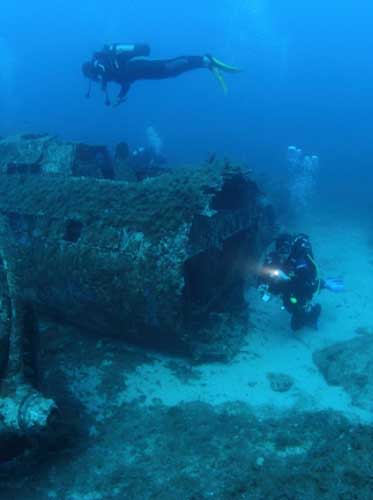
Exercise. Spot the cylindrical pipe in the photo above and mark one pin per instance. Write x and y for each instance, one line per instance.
(27, 412)
(23, 410)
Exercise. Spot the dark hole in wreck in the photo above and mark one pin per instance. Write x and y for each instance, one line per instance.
(92, 161)
(23, 168)
(73, 230)
(215, 276)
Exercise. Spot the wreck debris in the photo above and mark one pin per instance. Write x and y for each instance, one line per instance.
(160, 262)
(44, 154)
(24, 411)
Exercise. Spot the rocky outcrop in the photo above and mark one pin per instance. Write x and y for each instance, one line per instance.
(280, 382)
(350, 365)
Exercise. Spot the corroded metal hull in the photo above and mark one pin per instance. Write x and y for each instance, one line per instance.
(149, 261)
(160, 263)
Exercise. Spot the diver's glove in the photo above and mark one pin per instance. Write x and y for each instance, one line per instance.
(334, 285)
(263, 289)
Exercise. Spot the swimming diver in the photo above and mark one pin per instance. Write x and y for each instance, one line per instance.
(126, 63)
(290, 271)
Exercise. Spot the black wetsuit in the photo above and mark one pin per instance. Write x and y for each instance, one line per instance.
(125, 67)
(298, 291)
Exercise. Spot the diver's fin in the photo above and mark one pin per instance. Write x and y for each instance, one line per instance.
(215, 63)
(215, 71)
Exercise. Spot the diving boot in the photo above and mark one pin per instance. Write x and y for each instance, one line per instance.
(309, 316)
(313, 316)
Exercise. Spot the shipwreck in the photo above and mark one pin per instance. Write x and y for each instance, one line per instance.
(159, 263)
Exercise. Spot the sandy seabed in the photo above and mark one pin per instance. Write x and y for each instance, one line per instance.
(153, 426)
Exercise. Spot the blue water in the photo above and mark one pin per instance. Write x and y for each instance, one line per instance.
(307, 78)
(307, 81)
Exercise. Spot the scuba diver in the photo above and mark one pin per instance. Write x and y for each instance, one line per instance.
(291, 272)
(126, 63)
(146, 162)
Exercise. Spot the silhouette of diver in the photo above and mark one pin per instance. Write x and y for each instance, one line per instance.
(292, 273)
(126, 63)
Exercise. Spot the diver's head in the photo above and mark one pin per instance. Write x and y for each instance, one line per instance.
(89, 70)
(284, 245)
(301, 245)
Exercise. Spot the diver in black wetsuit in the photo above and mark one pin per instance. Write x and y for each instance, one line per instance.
(124, 64)
(291, 272)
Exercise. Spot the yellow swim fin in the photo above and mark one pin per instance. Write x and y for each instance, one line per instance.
(215, 63)
(215, 71)
(216, 66)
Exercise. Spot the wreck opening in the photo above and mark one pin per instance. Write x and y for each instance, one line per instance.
(237, 193)
(225, 251)
(23, 168)
(92, 161)
(213, 278)
(73, 230)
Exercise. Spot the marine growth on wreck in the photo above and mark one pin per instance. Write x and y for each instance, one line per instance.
(161, 263)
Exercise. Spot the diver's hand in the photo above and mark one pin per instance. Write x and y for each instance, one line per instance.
(334, 285)
(263, 289)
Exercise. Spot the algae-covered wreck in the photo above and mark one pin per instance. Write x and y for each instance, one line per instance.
(159, 263)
